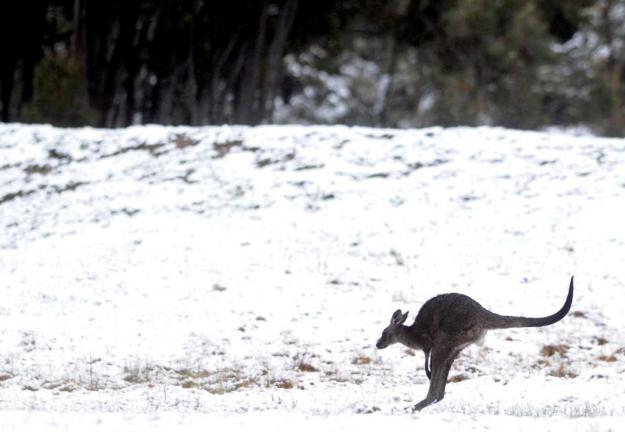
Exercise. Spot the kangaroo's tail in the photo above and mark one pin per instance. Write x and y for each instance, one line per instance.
(496, 321)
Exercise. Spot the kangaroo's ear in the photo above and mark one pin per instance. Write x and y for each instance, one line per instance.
(397, 317)
(404, 318)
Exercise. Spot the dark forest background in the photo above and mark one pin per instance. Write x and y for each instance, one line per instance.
(396, 63)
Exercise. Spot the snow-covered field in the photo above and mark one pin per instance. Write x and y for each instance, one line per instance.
(229, 278)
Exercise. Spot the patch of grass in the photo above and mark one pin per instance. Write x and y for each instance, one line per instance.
(551, 350)
(183, 141)
(575, 411)
(223, 148)
(219, 381)
(601, 341)
(608, 358)
(218, 287)
(137, 374)
(303, 364)
(262, 162)
(48, 385)
(541, 363)
(458, 378)
(189, 384)
(194, 374)
(38, 169)
(135, 378)
(69, 387)
(246, 383)
(336, 378)
(283, 384)
(306, 367)
(361, 360)
(13, 195)
(563, 371)
(353, 377)
(399, 260)
(571, 410)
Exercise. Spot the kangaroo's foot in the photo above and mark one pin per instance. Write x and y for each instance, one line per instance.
(425, 402)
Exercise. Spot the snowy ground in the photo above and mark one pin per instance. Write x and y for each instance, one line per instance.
(166, 278)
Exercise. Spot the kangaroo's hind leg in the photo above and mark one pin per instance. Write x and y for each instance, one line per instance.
(444, 353)
(428, 370)
(442, 359)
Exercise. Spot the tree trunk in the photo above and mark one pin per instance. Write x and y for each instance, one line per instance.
(274, 66)
(6, 88)
(223, 82)
(78, 34)
(391, 69)
(247, 108)
(78, 48)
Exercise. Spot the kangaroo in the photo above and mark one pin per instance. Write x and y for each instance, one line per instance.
(448, 323)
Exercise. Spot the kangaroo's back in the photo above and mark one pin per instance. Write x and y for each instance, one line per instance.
(451, 313)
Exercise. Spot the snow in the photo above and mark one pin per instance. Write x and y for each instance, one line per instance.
(172, 277)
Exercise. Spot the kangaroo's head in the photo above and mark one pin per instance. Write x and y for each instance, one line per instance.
(390, 333)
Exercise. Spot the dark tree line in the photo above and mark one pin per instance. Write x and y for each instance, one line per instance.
(120, 62)
(190, 62)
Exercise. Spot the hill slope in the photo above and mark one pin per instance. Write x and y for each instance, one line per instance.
(224, 271)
